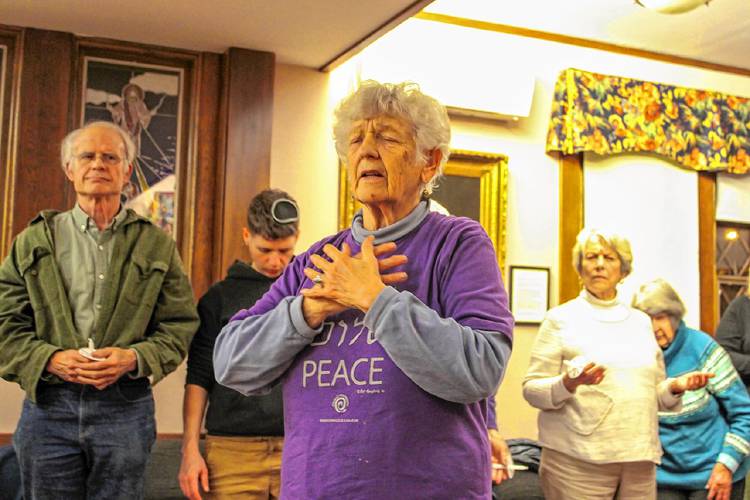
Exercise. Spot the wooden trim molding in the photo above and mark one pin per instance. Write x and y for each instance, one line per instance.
(709, 286)
(581, 42)
(10, 89)
(207, 165)
(571, 222)
(44, 117)
(378, 32)
(164, 436)
(244, 147)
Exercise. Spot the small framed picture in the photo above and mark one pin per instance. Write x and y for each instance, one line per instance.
(529, 293)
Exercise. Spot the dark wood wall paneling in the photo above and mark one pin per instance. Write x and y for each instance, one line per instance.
(45, 116)
(709, 282)
(245, 143)
(227, 118)
(208, 166)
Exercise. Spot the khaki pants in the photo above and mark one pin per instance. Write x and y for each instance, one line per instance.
(243, 467)
(566, 478)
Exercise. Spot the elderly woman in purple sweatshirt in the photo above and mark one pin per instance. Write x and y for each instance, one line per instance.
(386, 361)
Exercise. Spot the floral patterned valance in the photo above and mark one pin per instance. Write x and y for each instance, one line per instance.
(699, 129)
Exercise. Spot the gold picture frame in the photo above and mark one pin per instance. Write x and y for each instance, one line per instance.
(487, 176)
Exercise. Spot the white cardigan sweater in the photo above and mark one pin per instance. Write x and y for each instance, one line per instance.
(615, 421)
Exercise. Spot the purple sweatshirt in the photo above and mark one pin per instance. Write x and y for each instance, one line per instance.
(391, 403)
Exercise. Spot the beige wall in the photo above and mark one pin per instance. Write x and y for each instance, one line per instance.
(12, 397)
(303, 160)
(650, 199)
(654, 203)
(304, 163)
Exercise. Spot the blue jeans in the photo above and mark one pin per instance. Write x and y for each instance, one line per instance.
(78, 442)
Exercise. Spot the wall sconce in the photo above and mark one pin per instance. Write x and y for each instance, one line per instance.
(731, 235)
(672, 6)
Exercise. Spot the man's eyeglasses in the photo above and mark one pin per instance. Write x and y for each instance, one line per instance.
(107, 158)
(284, 211)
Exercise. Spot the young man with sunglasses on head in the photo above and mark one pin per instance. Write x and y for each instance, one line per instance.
(245, 434)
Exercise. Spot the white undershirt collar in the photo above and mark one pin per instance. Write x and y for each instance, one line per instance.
(611, 310)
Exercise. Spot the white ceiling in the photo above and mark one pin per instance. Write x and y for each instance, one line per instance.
(304, 32)
(313, 32)
(718, 33)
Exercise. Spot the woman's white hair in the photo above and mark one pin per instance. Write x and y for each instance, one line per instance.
(66, 148)
(429, 118)
(658, 297)
(618, 243)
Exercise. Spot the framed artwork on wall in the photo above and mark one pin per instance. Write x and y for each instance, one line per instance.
(529, 293)
(473, 185)
(146, 100)
(152, 93)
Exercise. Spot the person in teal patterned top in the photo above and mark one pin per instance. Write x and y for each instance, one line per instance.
(706, 443)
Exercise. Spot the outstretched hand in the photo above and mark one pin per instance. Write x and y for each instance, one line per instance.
(592, 374)
(689, 382)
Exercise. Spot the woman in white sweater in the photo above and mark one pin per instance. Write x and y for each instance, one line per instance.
(597, 375)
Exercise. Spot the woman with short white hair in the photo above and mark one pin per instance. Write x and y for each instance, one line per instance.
(597, 375)
(385, 374)
(706, 443)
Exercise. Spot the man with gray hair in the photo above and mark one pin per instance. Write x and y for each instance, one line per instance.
(93, 303)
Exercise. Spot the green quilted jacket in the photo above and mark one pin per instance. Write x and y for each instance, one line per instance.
(150, 310)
